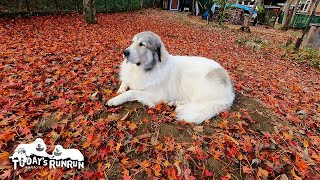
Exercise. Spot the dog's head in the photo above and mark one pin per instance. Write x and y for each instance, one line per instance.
(21, 151)
(57, 150)
(146, 50)
(40, 145)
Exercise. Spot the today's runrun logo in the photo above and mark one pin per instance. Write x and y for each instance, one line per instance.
(35, 154)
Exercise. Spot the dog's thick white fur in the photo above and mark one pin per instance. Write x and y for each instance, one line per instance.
(200, 88)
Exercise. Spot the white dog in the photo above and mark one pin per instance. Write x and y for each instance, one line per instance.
(60, 153)
(200, 88)
(38, 148)
(20, 154)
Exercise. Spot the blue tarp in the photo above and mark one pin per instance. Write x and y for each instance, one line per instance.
(240, 6)
(247, 8)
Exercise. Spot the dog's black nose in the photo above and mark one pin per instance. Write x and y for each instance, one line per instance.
(126, 53)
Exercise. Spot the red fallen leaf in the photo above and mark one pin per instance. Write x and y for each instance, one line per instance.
(180, 128)
(7, 135)
(6, 174)
(88, 174)
(224, 114)
(226, 177)
(114, 109)
(58, 103)
(89, 137)
(292, 118)
(25, 131)
(301, 165)
(77, 177)
(187, 172)
(266, 135)
(150, 112)
(158, 107)
(248, 117)
(247, 169)
(172, 173)
(208, 173)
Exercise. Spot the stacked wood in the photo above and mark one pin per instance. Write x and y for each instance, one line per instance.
(236, 17)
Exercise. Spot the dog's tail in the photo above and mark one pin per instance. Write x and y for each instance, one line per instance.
(198, 112)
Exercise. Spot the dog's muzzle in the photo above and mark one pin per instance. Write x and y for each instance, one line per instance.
(138, 63)
(126, 53)
(39, 149)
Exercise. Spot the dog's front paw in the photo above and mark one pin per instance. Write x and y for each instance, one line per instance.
(121, 90)
(114, 102)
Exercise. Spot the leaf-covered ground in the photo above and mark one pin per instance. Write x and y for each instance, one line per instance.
(56, 72)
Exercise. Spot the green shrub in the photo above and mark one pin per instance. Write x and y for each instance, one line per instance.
(307, 55)
(261, 14)
(242, 40)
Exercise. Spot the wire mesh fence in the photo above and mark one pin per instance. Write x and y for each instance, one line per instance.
(300, 20)
(58, 6)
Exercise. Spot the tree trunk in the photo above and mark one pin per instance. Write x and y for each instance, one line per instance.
(294, 12)
(246, 22)
(28, 5)
(193, 8)
(19, 5)
(57, 5)
(89, 11)
(222, 11)
(299, 40)
(141, 4)
(286, 19)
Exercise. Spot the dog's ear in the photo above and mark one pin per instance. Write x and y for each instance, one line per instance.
(156, 53)
(150, 65)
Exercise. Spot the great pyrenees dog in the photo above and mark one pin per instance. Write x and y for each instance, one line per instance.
(37, 148)
(200, 88)
(60, 153)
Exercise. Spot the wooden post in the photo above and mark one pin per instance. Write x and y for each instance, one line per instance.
(286, 19)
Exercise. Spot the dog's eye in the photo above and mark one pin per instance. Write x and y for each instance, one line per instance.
(141, 44)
